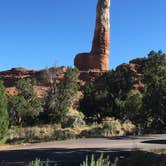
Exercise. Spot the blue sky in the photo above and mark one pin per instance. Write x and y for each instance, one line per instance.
(40, 33)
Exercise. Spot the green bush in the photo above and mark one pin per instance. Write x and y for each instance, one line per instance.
(61, 97)
(154, 100)
(4, 118)
(133, 107)
(96, 104)
(24, 107)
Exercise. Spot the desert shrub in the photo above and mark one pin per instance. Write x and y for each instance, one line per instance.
(109, 127)
(133, 107)
(30, 134)
(92, 132)
(61, 96)
(147, 109)
(19, 135)
(64, 134)
(24, 107)
(99, 102)
(154, 100)
(38, 162)
(112, 127)
(96, 104)
(4, 118)
(128, 127)
(101, 161)
(73, 119)
(154, 105)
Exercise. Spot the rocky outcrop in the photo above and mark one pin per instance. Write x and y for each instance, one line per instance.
(134, 68)
(10, 77)
(98, 58)
(43, 78)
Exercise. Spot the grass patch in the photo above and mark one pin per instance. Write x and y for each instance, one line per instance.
(45, 133)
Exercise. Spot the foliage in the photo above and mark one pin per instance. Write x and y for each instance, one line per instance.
(40, 133)
(154, 100)
(61, 96)
(136, 158)
(38, 162)
(116, 98)
(95, 104)
(24, 107)
(108, 100)
(133, 106)
(4, 118)
(109, 127)
(118, 82)
(73, 119)
(154, 105)
(101, 161)
(155, 68)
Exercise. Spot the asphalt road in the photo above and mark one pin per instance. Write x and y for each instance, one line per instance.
(72, 152)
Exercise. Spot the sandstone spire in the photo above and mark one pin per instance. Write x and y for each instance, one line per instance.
(98, 58)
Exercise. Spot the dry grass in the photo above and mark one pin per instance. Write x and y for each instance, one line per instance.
(42, 133)
(159, 151)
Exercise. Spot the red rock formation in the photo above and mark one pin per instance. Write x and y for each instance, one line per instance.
(42, 77)
(10, 77)
(98, 58)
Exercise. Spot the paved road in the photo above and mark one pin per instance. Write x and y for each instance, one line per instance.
(74, 151)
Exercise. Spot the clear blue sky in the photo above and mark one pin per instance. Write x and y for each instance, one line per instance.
(39, 33)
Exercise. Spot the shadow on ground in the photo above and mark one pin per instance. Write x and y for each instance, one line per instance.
(63, 157)
(155, 142)
(73, 157)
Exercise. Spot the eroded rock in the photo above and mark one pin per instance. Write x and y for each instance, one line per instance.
(98, 58)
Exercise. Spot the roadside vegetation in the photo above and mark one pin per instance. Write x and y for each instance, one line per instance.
(136, 158)
(113, 109)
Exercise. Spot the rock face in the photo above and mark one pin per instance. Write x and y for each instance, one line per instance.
(98, 58)
(43, 78)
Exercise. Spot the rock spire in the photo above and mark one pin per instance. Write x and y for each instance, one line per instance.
(98, 58)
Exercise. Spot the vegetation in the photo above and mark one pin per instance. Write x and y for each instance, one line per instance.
(116, 98)
(136, 158)
(61, 96)
(107, 108)
(154, 100)
(38, 162)
(110, 127)
(101, 161)
(25, 106)
(4, 119)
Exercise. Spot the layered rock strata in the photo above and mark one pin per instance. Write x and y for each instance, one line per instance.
(98, 58)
